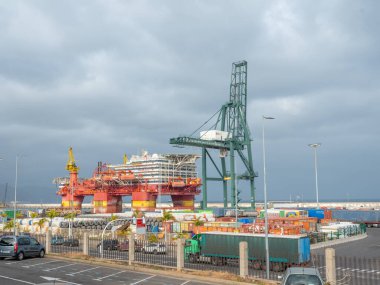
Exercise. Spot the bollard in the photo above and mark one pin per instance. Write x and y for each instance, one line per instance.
(180, 254)
(48, 241)
(330, 266)
(243, 258)
(131, 248)
(85, 244)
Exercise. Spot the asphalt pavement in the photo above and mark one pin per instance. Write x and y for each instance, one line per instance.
(366, 248)
(55, 271)
(357, 262)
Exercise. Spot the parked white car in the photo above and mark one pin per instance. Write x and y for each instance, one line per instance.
(154, 248)
(302, 275)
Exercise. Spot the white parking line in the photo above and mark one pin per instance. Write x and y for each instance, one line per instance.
(18, 280)
(185, 282)
(60, 266)
(27, 266)
(72, 274)
(99, 279)
(143, 280)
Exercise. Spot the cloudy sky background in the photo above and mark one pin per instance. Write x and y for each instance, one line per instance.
(115, 77)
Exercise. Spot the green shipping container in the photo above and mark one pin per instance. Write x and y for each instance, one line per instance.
(291, 249)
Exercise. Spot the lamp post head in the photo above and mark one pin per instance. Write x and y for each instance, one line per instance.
(268, 118)
(314, 145)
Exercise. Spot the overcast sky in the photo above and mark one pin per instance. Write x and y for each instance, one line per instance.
(115, 77)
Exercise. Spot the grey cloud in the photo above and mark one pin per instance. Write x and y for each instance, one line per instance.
(109, 77)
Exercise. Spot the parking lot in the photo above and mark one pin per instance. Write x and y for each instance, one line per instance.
(50, 270)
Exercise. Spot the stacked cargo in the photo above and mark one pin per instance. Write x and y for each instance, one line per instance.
(284, 213)
(285, 226)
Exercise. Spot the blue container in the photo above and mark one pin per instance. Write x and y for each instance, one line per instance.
(304, 250)
(316, 213)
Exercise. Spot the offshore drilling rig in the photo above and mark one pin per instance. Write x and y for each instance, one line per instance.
(143, 177)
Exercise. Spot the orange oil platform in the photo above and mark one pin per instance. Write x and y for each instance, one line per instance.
(143, 177)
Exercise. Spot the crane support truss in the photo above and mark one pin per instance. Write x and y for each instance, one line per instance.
(235, 137)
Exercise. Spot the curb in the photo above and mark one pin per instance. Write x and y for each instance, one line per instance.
(168, 271)
(337, 241)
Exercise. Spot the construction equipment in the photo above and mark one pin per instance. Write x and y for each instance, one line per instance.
(230, 134)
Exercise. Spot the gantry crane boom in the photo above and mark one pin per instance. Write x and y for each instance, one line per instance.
(232, 119)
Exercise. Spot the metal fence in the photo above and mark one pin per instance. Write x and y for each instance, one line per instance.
(66, 245)
(157, 253)
(316, 237)
(195, 261)
(40, 237)
(111, 248)
(351, 270)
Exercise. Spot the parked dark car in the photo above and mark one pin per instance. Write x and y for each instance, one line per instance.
(57, 240)
(20, 246)
(71, 242)
(124, 246)
(109, 244)
(302, 275)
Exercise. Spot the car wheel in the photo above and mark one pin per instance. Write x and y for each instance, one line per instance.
(192, 258)
(20, 256)
(277, 267)
(42, 253)
(155, 252)
(256, 265)
(214, 260)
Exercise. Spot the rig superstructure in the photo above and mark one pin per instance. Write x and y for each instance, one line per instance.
(143, 177)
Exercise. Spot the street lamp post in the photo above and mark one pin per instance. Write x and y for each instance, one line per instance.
(265, 202)
(14, 204)
(315, 146)
(102, 237)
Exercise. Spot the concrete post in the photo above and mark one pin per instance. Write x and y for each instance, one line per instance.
(85, 244)
(180, 254)
(330, 265)
(131, 248)
(243, 258)
(48, 241)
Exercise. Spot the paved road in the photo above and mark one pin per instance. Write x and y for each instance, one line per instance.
(47, 270)
(358, 262)
(368, 247)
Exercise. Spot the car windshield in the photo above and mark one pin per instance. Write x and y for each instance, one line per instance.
(303, 279)
(7, 241)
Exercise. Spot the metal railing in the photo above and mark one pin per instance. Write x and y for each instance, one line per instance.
(157, 253)
(317, 237)
(351, 270)
(112, 248)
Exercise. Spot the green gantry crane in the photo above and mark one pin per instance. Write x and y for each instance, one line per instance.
(230, 134)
